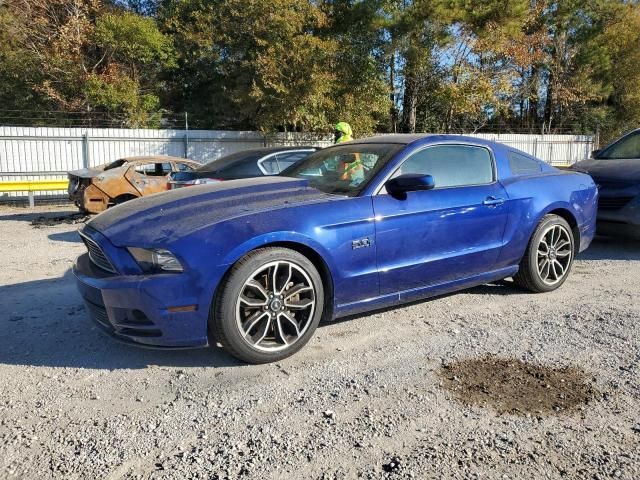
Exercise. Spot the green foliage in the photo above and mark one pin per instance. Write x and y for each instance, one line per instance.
(80, 56)
(303, 65)
(133, 40)
(121, 95)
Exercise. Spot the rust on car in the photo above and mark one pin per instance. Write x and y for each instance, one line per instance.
(93, 190)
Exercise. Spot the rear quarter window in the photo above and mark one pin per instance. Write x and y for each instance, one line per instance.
(523, 165)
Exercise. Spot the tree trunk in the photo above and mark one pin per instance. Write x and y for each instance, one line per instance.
(409, 104)
(392, 84)
(548, 104)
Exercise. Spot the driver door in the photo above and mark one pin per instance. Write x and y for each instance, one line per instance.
(449, 233)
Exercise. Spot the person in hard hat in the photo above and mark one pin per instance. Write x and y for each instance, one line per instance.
(342, 132)
(352, 168)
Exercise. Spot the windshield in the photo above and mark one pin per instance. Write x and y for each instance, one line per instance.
(626, 147)
(344, 169)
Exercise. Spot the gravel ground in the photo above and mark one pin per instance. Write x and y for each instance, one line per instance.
(489, 383)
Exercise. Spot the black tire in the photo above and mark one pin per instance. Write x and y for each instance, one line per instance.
(231, 316)
(531, 275)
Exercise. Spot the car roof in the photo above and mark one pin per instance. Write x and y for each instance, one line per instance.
(399, 138)
(408, 138)
(267, 150)
(155, 158)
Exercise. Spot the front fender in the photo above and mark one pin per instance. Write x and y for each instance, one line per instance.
(277, 237)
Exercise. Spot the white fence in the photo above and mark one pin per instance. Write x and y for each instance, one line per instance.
(38, 153)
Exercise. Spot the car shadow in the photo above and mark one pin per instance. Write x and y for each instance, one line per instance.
(612, 248)
(45, 323)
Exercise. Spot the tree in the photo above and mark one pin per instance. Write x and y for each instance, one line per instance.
(88, 58)
(272, 65)
(287, 65)
(611, 60)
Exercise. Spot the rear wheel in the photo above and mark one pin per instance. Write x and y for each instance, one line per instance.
(549, 256)
(268, 306)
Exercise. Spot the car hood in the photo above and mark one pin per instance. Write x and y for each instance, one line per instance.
(168, 216)
(625, 170)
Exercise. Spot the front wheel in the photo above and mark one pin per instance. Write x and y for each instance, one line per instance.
(547, 262)
(268, 306)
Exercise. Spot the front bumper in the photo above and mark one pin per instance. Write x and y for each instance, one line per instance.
(618, 229)
(136, 308)
(619, 213)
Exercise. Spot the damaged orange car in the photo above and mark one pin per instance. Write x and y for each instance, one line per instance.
(93, 190)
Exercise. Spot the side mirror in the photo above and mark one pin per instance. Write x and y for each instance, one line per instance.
(410, 182)
(596, 153)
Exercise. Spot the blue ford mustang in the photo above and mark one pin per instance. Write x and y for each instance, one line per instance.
(255, 264)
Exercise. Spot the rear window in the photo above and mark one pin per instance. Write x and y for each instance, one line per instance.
(245, 169)
(231, 162)
(116, 164)
(287, 159)
(523, 165)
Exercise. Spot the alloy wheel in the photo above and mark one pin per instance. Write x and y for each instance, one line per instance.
(554, 254)
(275, 306)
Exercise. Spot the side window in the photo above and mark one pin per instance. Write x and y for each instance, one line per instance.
(146, 169)
(285, 160)
(451, 165)
(154, 169)
(270, 165)
(183, 167)
(627, 147)
(523, 165)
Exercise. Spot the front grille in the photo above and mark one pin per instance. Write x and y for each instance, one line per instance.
(604, 184)
(96, 255)
(613, 203)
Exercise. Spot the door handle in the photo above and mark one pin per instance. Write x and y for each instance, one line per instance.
(493, 201)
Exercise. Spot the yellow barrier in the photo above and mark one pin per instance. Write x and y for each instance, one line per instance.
(33, 185)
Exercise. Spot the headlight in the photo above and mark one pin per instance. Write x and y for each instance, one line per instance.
(155, 260)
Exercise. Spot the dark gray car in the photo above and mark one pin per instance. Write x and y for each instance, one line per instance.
(616, 171)
(256, 162)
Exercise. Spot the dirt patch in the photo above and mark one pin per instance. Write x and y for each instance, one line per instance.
(71, 219)
(513, 386)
